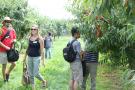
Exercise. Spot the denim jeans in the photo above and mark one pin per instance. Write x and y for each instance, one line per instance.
(48, 54)
(91, 70)
(33, 69)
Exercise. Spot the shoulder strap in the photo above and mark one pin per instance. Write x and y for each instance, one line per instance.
(72, 41)
(5, 35)
(71, 44)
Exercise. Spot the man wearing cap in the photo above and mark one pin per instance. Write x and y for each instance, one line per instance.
(6, 44)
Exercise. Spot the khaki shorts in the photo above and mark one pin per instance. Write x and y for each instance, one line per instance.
(76, 71)
(3, 58)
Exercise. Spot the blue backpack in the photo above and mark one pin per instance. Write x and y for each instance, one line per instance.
(68, 52)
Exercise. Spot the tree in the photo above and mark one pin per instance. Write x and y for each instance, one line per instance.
(108, 26)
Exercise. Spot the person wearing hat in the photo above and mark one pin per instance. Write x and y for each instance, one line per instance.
(35, 53)
(6, 44)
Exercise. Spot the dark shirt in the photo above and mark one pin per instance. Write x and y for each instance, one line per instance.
(33, 48)
(91, 57)
(48, 42)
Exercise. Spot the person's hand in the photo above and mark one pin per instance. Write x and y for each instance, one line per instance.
(14, 40)
(82, 54)
(7, 48)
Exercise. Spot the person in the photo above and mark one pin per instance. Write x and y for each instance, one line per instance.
(76, 66)
(48, 45)
(91, 63)
(35, 53)
(5, 45)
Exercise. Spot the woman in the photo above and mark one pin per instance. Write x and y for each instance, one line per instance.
(35, 53)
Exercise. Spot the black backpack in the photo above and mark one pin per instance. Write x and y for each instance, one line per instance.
(12, 55)
(68, 52)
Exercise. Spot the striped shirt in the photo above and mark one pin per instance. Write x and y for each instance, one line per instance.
(91, 56)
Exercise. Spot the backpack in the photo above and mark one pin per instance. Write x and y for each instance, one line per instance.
(68, 52)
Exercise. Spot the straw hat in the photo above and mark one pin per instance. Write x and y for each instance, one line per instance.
(7, 19)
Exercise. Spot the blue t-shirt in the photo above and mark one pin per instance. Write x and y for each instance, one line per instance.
(48, 42)
(77, 48)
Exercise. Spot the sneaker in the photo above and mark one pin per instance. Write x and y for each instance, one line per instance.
(7, 77)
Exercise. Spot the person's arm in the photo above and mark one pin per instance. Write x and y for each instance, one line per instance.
(14, 36)
(1, 44)
(78, 48)
(4, 46)
(26, 53)
(51, 41)
(41, 41)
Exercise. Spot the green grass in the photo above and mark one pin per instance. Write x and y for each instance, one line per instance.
(57, 73)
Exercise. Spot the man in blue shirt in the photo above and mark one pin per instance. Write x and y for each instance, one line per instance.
(76, 66)
(48, 45)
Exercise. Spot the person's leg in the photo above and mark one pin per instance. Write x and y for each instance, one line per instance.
(76, 86)
(30, 71)
(78, 80)
(12, 66)
(36, 70)
(3, 71)
(85, 77)
(47, 53)
(93, 74)
(3, 61)
(71, 84)
(50, 54)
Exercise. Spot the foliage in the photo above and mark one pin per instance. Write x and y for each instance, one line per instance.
(129, 79)
(107, 25)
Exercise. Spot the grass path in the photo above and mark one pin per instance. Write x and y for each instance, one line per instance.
(57, 73)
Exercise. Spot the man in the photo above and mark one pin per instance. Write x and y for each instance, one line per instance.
(76, 66)
(5, 45)
(91, 63)
(48, 45)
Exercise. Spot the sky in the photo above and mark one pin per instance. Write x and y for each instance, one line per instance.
(54, 9)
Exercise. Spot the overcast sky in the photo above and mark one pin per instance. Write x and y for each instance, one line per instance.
(51, 8)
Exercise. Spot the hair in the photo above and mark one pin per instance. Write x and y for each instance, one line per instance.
(49, 34)
(38, 33)
(74, 30)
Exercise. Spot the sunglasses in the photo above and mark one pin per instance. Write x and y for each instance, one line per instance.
(33, 29)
